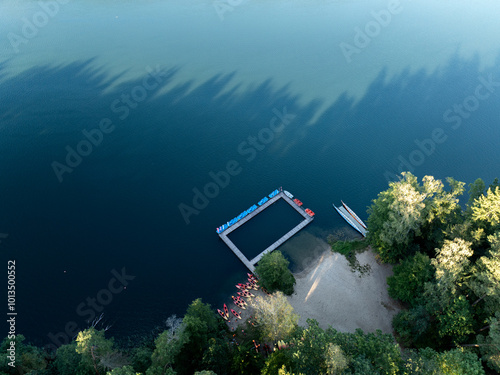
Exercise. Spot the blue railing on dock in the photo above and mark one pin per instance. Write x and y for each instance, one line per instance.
(263, 200)
(223, 227)
(273, 193)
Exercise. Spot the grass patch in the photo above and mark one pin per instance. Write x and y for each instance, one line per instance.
(349, 249)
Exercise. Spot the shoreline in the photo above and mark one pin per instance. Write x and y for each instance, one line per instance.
(329, 291)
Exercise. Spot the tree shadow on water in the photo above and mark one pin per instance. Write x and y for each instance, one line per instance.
(123, 195)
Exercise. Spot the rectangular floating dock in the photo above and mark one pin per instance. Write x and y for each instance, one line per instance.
(251, 263)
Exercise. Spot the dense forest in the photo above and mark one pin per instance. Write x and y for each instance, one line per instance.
(446, 258)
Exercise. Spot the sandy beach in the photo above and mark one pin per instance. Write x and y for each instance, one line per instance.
(328, 291)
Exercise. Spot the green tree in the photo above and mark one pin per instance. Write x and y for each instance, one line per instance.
(274, 273)
(409, 278)
(69, 362)
(451, 265)
(456, 320)
(444, 298)
(395, 217)
(278, 360)
(485, 278)
(275, 316)
(408, 216)
(308, 350)
(468, 231)
(369, 353)
(125, 370)
(283, 371)
(246, 361)
(217, 357)
(91, 353)
(93, 347)
(361, 365)
(161, 371)
(458, 361)
(141, 358)
(490, 345)
(167, 346)
(476, 189)
(200, 325)
(486, 210)
(28, 358)
(414, 327)
(495, 183)
(419, 363)
(452, 362)
(335, 360)
(442, 211)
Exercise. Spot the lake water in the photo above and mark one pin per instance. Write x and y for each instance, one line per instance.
(115, 115)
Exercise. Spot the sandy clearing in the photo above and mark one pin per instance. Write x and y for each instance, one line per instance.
(329, 292)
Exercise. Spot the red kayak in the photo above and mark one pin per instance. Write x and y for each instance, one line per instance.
(246, 295)
(226, 311)
(238, 300)
(239, 304)
(236, 314)
(242, 301)
(222, 314)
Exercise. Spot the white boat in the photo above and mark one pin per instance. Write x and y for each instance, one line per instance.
(351, 219)
(353, 214)
(288, 194)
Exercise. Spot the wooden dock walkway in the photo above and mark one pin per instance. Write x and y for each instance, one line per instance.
(237, 252)
(286, 237)
(251, 263)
